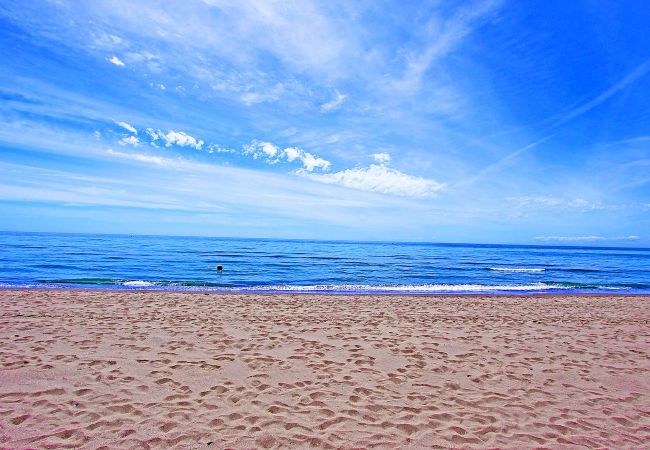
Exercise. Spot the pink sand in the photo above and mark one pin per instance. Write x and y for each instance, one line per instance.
(153, 370)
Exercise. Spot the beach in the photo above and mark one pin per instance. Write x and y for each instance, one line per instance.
(146, 369)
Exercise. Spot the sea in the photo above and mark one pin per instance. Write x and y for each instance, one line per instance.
(57, 260)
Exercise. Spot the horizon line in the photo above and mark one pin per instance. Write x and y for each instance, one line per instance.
(496, 244)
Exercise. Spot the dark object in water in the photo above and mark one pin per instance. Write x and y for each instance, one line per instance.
(219, 267)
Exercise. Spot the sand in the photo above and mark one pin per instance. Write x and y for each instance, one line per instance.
(114, 369)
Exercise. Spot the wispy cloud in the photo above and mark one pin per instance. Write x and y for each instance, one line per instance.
(631, 77)
(639, 71)
(503, 162)
(127, 127)
(129, 140)
(334, 103)
(149, 159)
(585, 238)
(381, 179)
(263, 95)
(637, 163)
(442, 35)
(550, 202)
(381, 158)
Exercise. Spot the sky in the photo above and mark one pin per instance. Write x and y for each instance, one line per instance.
(438, 121)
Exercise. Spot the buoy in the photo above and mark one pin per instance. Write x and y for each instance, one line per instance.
(219, 267)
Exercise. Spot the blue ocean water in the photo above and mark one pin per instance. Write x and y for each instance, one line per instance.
(267, 265)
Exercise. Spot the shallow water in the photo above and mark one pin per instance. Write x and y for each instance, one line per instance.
(189, 263)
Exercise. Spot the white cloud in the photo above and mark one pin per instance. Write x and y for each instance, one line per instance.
(157, 160)
(153, 134)
(129, 140)
(292, 153)
(179, 138)
(260, 149)
(269, 149)
(334, 103)
(382, 179)
(127, 127)
(381, 158)
(586, 238)
(115, 60)
(273, 154)
(182, 139)
(216, 148)
(311, 162)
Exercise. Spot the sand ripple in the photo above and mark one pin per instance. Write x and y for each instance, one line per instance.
(157, 370)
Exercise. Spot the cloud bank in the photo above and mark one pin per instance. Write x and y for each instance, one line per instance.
(378, 178)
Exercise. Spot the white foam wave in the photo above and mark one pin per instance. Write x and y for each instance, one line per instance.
(407, 288)
(517, 269)
(138, 283)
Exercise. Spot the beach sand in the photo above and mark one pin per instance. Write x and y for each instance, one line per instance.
(151, 370)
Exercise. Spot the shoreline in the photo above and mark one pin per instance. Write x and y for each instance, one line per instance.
(123, 368)
(550, 293)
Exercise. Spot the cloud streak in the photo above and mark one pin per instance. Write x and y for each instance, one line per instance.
(550, 202)
(139, 157)
(586, 238)
(443, 36)
(128, 127)
(638, 72)
(334, 103)
(381, 179)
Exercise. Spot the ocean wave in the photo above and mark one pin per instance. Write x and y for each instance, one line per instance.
(177, 285)
(88, 281)
(517, 269)
(138, 283)
(406, 288)
(133, 283)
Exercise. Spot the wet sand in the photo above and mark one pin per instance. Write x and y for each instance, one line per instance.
(154, 370)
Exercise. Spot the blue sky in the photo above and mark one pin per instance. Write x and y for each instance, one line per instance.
(485, 121)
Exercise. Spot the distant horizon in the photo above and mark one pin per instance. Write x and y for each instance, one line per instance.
(442, 243)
